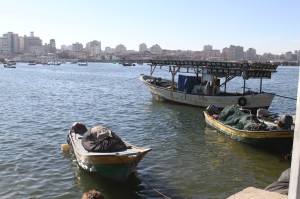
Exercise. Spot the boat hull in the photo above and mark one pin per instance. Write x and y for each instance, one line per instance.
(253, 101)
(281, 140)
(117, 166)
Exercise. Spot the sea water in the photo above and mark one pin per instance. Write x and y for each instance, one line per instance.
(188, 159)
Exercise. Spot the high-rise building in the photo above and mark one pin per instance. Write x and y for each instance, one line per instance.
(31, 41)
(239, 52)
(13, 42)
(4, 47)
(142, 47)
(93, 48)
(120, 48)
(233, 53)
(77, 47)
(207, 48)
(297, 53)
(109, 50)
(21, 44)
(251, 54)
(156, 49)
(289, 56)
(64, 47)
(225, 53)
(207, 51)
(52, 46)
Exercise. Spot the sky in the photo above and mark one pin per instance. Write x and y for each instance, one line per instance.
(269, 26)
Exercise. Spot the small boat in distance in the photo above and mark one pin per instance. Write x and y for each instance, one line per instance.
(9, 65)
(117, 166)
(82, 63)
(241, 125)
(201, 83)
(128, 64)
(32, 63)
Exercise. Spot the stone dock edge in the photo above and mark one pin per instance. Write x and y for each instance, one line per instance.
(254, 193)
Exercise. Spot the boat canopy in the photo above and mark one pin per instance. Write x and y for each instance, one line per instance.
(222, 69)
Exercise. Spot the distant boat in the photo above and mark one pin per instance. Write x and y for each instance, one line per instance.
(9, 65)
(128, 64)
(31, 63)
(82, 63)
(54, 63)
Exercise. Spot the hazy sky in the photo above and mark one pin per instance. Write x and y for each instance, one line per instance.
(266, 25)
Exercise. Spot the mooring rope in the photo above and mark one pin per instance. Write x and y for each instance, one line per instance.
(131, 78)
(283, 96)
(286, 97)
(158, 192)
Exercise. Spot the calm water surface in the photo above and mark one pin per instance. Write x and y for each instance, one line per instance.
(188, 160)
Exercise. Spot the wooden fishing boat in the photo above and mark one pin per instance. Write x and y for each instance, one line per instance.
(270, 137)
(128, 64)
(82, 63)
(201, 83)
(9, 65)
(117, 166)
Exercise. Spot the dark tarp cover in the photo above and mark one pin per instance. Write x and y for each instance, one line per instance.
(101, 139)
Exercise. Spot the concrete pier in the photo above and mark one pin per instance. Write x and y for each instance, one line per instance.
(254, 193)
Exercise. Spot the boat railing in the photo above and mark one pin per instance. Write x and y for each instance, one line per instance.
(251, 117)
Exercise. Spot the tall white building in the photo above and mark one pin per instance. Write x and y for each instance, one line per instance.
(207, 51)
(52, 45)
(120, 48)
(93, 48)
(64, 47)
(156, 49)
(21, 44)
(77, 47)
(233, 53)
(251, 54)
(13, 42)
(240, 54)
(109, 50)
(289, 56)
(142, 47)
(297, 53)
(4, 47)
(31, 42)
(207, 48)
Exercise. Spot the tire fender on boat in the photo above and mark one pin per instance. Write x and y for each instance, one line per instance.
(242, 101)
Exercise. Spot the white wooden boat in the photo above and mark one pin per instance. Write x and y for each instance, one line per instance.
(117, 166)
(9, 65)
(82, 64)
(205, 86)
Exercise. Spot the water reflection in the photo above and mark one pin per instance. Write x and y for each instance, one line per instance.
(110, 189)
(201, 159)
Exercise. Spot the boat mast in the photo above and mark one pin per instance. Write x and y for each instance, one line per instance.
(152, 69)
(173, 72)
(225, 84)
(244, 88)
(260, 87)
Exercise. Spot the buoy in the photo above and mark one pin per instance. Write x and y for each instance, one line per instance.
(65, 147)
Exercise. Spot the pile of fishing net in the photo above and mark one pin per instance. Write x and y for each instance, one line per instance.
(99, 139)
(241, 119)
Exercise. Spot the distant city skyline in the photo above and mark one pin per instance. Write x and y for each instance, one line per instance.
(267, 26)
